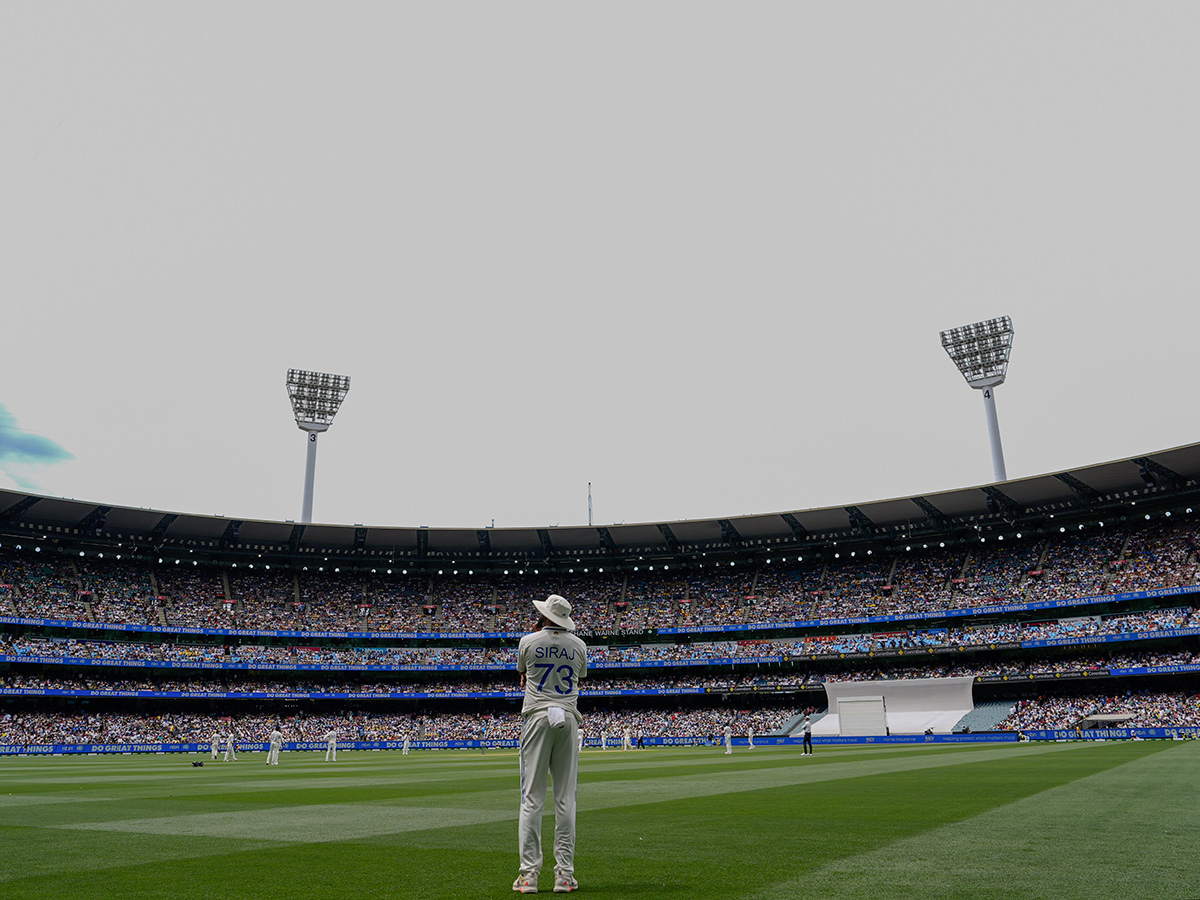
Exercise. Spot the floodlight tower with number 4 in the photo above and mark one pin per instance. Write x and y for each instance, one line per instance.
(315, 398)
(981, 353)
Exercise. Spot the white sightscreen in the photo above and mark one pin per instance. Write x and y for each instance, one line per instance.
(862, 715)
(913, 704)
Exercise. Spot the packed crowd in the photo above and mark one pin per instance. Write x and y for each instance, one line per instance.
(1069, 564)
(185, 727)
(1070, 629)
(1137, 709)
(593, 686)
(602, 681)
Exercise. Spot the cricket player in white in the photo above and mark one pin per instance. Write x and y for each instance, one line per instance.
(406, 744)
(230, 746)
(728, 740)
(330, 738)
(216, 744)
(276, 739)
(551, 661)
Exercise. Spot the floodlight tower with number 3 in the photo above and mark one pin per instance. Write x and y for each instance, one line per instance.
(315, 398)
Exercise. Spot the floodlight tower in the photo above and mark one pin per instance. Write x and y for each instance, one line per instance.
(315, 398)
(981, 353)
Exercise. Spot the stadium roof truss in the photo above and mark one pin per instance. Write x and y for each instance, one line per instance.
(1170, 476)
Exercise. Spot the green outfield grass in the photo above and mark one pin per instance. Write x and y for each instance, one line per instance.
(1079, 820)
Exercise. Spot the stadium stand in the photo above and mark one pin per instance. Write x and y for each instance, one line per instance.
(1059, 621)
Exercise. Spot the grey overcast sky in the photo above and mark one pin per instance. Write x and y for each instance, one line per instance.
(697, 254)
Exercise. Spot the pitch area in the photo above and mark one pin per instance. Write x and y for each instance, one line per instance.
(1074, 820)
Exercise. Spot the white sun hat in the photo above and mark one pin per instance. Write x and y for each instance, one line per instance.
(557, 610)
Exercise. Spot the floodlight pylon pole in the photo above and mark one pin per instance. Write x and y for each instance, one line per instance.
(980, 352)
(310, 477)
(989, 406)
(315, 398)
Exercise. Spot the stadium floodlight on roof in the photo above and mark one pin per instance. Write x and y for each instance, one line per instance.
(315, 398)
(981, 353)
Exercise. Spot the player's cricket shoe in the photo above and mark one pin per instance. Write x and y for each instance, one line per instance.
(526, 883)
(564, 884)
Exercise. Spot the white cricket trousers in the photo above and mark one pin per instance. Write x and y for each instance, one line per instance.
(554, 752)
(331, 751)
(273, 756)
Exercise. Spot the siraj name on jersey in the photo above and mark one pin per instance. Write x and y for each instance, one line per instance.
(553, 653)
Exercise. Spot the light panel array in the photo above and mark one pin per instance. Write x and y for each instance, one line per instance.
(316, 396)
(981, 350)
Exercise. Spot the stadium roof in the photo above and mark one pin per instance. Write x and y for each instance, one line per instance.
(1163, 477)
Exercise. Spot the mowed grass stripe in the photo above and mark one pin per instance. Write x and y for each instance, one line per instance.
(659, 781)
(34, 860)
(782, 818)
(479, 868)
(1129, 831)
(656, 777)
(306, 824)
(200, 810)
(237, 775)
(289, 816)
(764, 843)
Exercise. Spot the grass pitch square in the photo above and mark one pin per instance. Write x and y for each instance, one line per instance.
(1070, 820)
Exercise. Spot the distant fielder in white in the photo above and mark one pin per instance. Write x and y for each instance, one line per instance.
(330, 739)
(230, 746)
(215, 744)
(276, 740)
(626, 740)
(750, 736)
(406, 744)
(728, 739)
(551, 661)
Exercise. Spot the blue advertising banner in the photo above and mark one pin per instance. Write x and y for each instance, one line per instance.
(985, 738)
(1157, 670)
(332, 667)
(1098, 734)
(331, 695)
(243, 747)
(1112, 734)
(1113, 638)
(682, 741)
